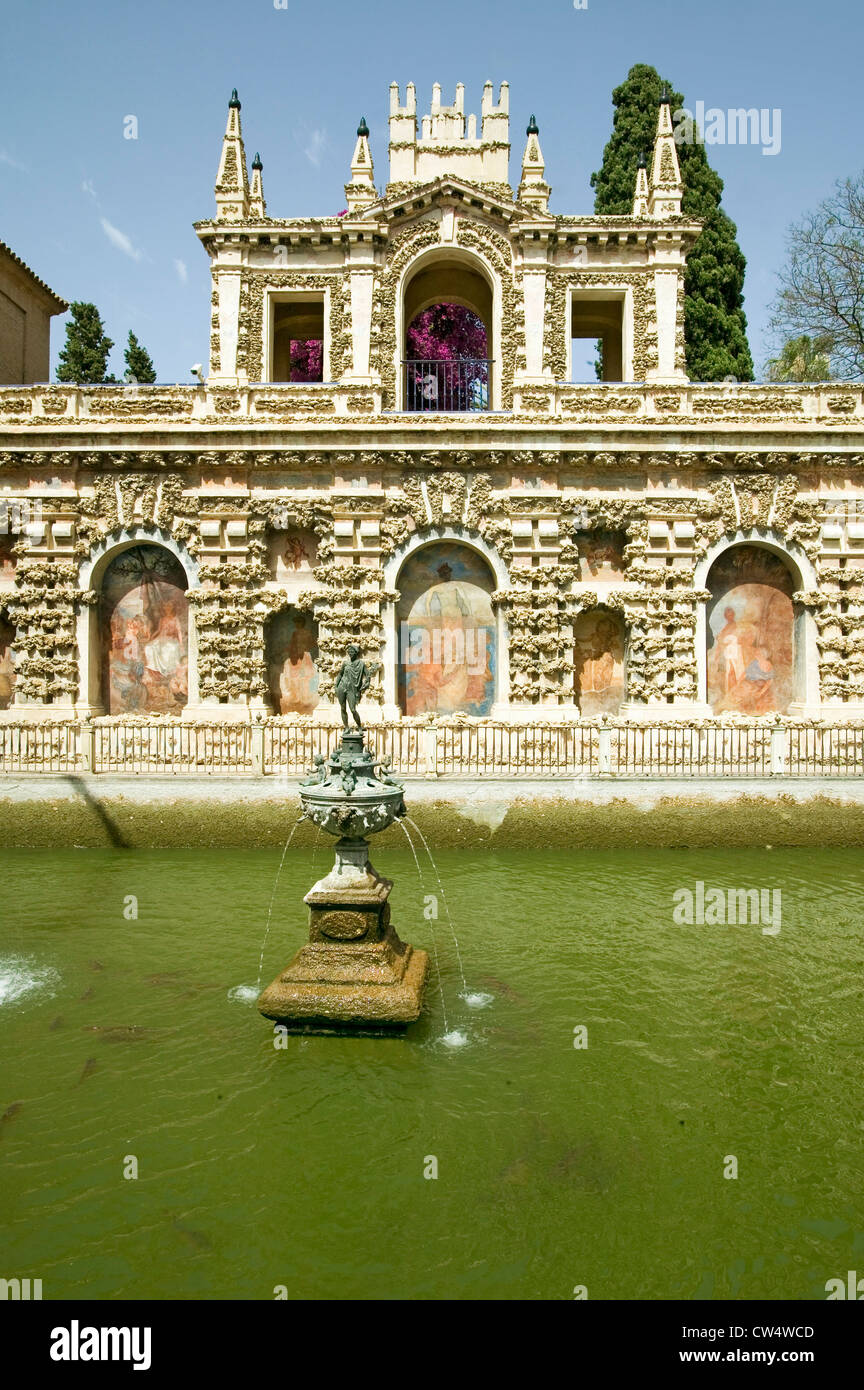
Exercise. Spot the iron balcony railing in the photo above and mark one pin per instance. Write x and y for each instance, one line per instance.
(461, 384)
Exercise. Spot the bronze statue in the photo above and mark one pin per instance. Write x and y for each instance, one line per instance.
(353, 680)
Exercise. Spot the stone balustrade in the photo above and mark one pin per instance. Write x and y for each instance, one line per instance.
(477, 749)
(715, 405)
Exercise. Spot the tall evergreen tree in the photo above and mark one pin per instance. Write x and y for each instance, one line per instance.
(139, 366)
(84, 356)
(715, 323)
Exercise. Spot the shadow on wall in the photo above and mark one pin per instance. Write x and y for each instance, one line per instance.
(115, 835)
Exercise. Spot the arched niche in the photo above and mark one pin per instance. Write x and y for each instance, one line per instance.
(7, 660)
(291, 654)
(447, 632)
(91, 638)
(599, 662)
(754, 638)
(436, 280)
(143, 617)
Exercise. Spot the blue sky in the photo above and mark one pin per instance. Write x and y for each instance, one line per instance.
(108, 219)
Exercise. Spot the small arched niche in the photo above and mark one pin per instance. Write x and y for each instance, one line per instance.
(446, 632)
(599, 646)
(751, 633)
(7, 660)
(291, 653)
(448, 312)
(144, 632)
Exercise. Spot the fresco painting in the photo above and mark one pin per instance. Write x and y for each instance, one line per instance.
(7, 559)
(7, 664)
(292, 650)
(145, 624)
(598, 676)
(447, 632)
(292, 553)
(601, 555)
(750, 633)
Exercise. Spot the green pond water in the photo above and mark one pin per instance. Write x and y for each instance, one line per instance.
(558, 1166)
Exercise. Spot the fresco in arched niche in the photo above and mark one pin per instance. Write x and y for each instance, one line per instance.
(292, 651)
(145, 626)
(292, 553)
(750, 633)
(447, 632)
(598, 662)
(7, 662)
(7, 559)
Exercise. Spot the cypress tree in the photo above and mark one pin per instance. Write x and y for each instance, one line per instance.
(715, 326)
(84, 356)
(139, 366)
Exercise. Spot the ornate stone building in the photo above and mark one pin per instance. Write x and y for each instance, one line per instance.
(503, 542)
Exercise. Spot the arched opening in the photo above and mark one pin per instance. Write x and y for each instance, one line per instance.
(448, 318)
(144, 632)
(7, 661)
(7, 628)
(599, 645)
(751, 633)
(291, 653)
(447, 632)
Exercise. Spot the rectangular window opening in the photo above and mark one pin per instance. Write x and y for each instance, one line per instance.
(597, 339)
(298, 340)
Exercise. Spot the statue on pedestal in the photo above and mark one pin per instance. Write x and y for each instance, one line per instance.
(351, 683)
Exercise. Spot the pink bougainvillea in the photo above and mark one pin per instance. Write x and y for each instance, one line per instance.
(307, 359)
(444, 333)
(446, 368)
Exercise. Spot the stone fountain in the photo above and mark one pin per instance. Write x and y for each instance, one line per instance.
(354, 974)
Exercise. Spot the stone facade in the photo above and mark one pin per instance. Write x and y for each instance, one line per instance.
(615, 498)
(27, 306)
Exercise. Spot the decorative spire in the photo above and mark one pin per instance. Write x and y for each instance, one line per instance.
(666, 189)
(232, 180)
(361, 192)
(640, 202)
(257, 205)
(533, 189)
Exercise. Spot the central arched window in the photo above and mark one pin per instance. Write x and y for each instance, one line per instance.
(447, 350)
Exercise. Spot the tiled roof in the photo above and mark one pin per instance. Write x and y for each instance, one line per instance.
(61, 303)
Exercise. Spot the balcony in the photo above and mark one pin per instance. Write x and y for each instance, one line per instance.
(453, 386)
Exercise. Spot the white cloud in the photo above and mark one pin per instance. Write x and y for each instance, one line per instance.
(6, 158)
(182, 272)
(87, 187)
(315, 146)
(120, 240)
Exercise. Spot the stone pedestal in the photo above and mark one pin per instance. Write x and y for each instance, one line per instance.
(354, 974)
